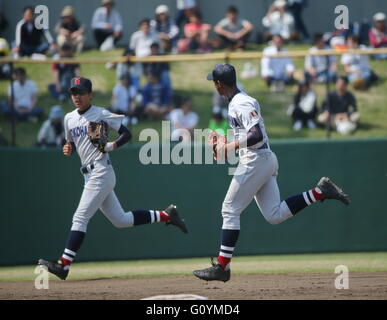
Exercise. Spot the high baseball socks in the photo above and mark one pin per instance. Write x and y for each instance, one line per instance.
(73, 244)
(229, 240)
(149, 216)
(298, 202)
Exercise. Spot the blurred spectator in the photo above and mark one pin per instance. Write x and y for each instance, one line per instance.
(196, 35)
(51, 133)
(357, 66)
(5, 68)
(184, 9)
(29, 39)
(128, 67)
(69, 30)
(166, 28)
(125, 99)
(378, 34)
(218, 123)
(320, 68)
(340, 109)
(63, 73)
(141, 40)
(159, 68)
(219, 104)
(183, 121)
(304, 108)
(25, 98)
(107, 24)
(233, 31)
(3, 20)
(156, 98)
(276, 71)
(295, 7)
(278, 21)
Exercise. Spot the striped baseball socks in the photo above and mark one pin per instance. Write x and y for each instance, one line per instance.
(73, 244)
(298, 202)
(149, 216)
(229, 240)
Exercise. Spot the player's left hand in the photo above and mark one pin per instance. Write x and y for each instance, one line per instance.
(218, 143)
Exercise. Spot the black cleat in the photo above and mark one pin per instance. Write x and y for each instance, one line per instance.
(332, 191)
(175, 219)
(55, 268)
(215, 272)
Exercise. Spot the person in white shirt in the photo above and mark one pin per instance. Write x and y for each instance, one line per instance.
(166, 29)
(141, 40)
(183, 121)
(24, 97)
(232, 30)
(276, 69)
(278, 21)
(106, 22)
(356, 65)
(125, 97)
(320, 68)
(51, 133)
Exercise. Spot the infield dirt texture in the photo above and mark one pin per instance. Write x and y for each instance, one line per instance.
(303, 276)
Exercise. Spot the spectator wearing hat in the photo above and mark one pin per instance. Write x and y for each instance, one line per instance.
(30, 40)
(184, 9)
(106, 23)
(304, 108)
(276, 71)
(51, 133)
(166, 29)
(196, 34)
(125, 99)
(63, 73)
(24, 97)
(156, 98)
(357, 66)
(340, 109)
(183, 121)
(69, 30)
(232, 30)
(320, 68)
(378, 34)
(278, 21)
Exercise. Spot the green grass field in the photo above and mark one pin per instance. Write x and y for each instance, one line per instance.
(301, 263)
(189, 79)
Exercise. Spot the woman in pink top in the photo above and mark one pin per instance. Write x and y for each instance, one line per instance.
(196, 33)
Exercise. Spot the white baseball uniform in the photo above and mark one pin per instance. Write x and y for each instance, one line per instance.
(256, 175)
(100, 179)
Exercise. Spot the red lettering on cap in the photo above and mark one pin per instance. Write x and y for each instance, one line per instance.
(77, 81)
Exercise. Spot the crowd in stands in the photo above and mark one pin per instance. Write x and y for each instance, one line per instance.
(188, 31)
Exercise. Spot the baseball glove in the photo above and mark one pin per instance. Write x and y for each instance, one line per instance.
(218, 142)
(98, 134)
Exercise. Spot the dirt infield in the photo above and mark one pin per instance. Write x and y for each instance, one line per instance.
(362, 285)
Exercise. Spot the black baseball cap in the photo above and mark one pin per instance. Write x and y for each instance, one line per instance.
(224, 73)
(80, 85)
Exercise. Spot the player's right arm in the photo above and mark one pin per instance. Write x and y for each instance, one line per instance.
(69, 145)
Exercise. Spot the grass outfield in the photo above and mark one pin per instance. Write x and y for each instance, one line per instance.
(189, 79)
(301, 263)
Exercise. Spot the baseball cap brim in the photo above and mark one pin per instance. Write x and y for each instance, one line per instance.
(78, 89)
(210, 76)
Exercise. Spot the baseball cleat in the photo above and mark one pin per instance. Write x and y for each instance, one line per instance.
(215, 272)
(332, 191)
(55, 268)
(175, 219)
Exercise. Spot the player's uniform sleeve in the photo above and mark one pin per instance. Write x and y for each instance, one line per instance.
(113, 120)
(248, 116)
(68, 135)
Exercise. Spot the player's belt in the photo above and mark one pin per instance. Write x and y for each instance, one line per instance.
(90, 167)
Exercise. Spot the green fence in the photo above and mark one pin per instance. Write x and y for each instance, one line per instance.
(40, 191)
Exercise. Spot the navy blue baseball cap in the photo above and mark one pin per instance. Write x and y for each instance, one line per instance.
(80, 85)
(224, 73)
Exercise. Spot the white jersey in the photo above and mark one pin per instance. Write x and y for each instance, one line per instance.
(76, 131)
(244, 113)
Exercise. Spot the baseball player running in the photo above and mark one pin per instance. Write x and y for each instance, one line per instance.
(86, 132)
(256, 174)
